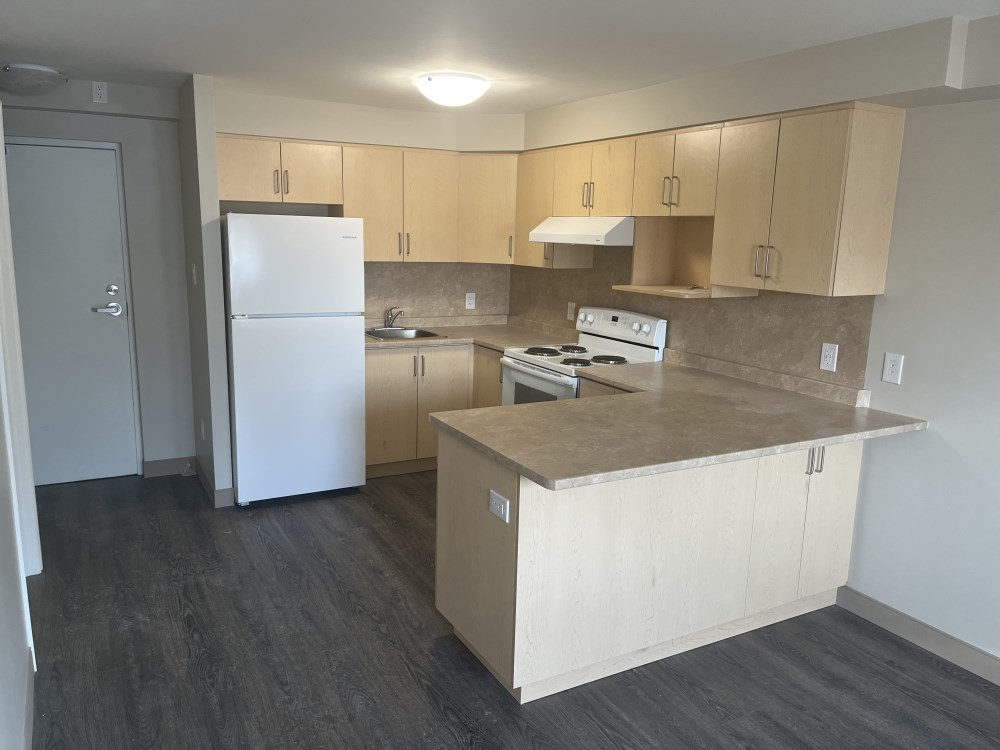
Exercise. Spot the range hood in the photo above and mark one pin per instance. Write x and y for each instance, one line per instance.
(585, 230)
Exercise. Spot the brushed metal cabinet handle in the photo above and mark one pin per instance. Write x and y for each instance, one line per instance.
(414, 365)
(423, 366)
(399, 242)
(583, 195)
(277, 182)
(767, 260)
(407, 243)
(821, 461)
(812, 461)
(545, 251)
(676, 194)
(286, 182)
(590, 193)
(756, 260)
(510, 246)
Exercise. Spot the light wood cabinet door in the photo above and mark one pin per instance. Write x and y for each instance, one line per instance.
(743, 203)
(778, 519)
(612, 172)
(696, 171)
(373, 191)
(249, 169)
(487, 378)
(487, 189)
(430, 206)
(829, 523)
(808, 193)
(444, 386)
(654, 166)
(390, 405)
(312, 173)
(534, 205)
(590, 388)
(571, 168)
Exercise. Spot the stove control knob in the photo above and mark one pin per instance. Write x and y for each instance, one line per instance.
(581, 317)
(646, 328)
(590, 318)
(635, 327)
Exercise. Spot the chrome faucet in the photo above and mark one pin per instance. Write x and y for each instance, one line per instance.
(390, 316)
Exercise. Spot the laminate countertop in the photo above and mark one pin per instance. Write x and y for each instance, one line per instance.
(678, 418)
(492, 336)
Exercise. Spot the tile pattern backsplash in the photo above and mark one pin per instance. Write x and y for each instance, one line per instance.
(775, 331)
(430, 292)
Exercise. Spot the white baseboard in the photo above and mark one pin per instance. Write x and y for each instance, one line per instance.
(166, 467)
(948, 647)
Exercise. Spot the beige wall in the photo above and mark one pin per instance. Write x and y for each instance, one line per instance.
(926, 541)
(434, 293)
(156, 260)
(206, 303)
(879, 65)
(123, 99)
(779, 332)
(285, 117)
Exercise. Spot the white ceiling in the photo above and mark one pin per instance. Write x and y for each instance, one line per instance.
(538, 52)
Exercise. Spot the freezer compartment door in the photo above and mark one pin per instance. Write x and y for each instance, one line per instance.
(289, 265)
(297, 387)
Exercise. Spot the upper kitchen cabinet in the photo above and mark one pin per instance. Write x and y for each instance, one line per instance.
(595, 179)
(257, 169)
(430, 206)
(675, 175)
(487, 187)
(829, 221)
(249, 169)
(535, 173)
(373, 191)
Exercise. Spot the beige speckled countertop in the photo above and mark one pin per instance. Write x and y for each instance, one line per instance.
(495, 337)
(678, 418)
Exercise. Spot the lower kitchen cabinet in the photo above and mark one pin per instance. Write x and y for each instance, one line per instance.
(487, 377)
(444, 386)
(402, 386)
(803, 524)
(391, 405)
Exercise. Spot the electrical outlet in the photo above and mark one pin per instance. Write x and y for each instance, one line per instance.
(470, 300)
(100, 92)
(571, 311)
(499, 506)
(828, 357)
(892, 368)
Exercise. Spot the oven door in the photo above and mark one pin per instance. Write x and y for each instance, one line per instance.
(528, 384)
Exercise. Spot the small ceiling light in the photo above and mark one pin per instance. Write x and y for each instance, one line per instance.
(27, 80)
(452, 89)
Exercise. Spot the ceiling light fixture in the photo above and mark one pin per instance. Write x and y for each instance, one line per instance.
(26, 80)
(451, 89)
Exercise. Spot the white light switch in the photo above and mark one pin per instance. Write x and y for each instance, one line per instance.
(571, 311)
(499, 506)
(470, 300)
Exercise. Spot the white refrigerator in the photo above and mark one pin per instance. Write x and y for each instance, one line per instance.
(295, 313)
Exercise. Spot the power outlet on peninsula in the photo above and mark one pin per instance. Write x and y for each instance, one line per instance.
(828, 357)
(470, 300)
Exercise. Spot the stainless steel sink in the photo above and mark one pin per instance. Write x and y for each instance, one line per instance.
(402, 333)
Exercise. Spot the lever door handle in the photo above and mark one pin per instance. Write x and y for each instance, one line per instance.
(113, 309)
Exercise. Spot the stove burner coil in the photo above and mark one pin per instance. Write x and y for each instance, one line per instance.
(608, 359)
(576, 362)
(573, 349)
(541, 351)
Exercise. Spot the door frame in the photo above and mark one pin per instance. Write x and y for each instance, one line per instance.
(126, 267)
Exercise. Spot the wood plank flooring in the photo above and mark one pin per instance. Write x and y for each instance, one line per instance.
(161, 623)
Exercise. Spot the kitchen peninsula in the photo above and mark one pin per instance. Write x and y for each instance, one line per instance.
(642, 525)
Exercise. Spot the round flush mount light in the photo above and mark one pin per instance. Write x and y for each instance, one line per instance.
(451, 89)
(26, 80)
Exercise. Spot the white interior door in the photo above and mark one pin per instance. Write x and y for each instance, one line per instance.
(69, 255)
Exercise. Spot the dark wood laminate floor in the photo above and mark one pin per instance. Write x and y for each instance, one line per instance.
(162, 623)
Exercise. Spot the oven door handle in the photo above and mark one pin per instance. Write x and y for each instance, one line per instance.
(540, 372)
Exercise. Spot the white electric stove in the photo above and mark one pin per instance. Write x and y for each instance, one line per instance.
(608, 338)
